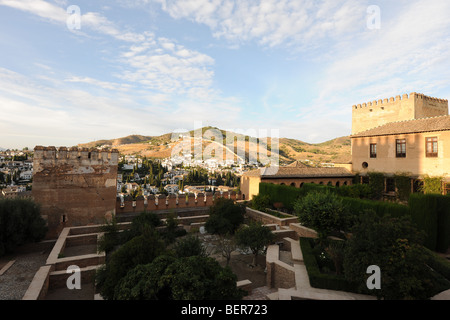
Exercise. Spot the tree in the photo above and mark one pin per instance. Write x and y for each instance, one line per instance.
(144, 281)
(261, 202)
(254, 236)
(394, 245)
(225, 245)
(189, 246)
(322, 211)
(139, 250)
(225, 217)
(187, 278)
(200, 278)
(20, 223)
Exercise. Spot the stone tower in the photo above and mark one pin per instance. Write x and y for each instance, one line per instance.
(75, 186)
(415, 106)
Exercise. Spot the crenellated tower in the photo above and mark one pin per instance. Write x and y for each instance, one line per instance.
(372, 114)
(75, 186)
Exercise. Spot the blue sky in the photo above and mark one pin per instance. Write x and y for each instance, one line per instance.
(156, 66)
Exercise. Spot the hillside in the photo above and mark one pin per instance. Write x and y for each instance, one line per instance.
(335, 151)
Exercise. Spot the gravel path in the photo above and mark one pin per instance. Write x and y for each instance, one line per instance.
(16, 280)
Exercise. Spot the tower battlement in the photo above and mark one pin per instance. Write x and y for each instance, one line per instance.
(74, 155)
(75, 186)
(399, 108)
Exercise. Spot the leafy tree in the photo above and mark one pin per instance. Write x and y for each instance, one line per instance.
(394, 245)
(261, 202)
(254, 236)
(144, 281)
(20, 223)
(225, 217)
(143, 222)
(187, 278)
(189, 246)
(139, 250)
(322, 211)
(200, 278)
(111, 236)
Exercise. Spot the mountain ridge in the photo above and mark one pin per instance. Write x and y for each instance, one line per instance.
(337, 150)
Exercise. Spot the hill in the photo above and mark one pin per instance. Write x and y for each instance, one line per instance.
(333, 151)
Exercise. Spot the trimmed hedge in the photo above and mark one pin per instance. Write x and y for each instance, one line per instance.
(358, 206)
(438, 263)
(321, 280)
(431, 213)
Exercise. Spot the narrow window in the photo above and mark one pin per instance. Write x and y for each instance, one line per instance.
(373, 150)
(401, 148)
(432, 147)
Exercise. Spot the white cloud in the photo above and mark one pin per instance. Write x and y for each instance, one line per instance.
(271, 23)
(410, 52)
(57, 14)
(165, 66)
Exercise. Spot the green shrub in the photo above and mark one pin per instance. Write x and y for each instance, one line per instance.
(260, 202)
(20, 223)
(432, 185)
(318, 279)
(323, 212)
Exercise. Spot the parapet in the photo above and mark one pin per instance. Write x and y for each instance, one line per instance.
(62, 154)
(411, 97)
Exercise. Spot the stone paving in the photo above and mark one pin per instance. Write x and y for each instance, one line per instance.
(260, 293)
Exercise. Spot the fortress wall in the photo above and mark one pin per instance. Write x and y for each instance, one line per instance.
(372, 114)
(74, 187)
(171, 202)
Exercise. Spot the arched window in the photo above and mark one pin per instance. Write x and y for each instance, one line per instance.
(337, 184)
(321, 182)
(282, 184)
(329, 183)
(345, 183)
(301, 184)
(293, 184)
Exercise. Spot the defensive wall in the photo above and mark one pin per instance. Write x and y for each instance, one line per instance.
(171, 202)
(75, 186)
(372, 114)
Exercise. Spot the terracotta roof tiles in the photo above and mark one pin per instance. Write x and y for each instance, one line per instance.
(441, 123)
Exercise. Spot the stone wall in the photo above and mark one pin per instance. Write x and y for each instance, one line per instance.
(172, 201)
(74, 187)
(415, 106)
(266, 218)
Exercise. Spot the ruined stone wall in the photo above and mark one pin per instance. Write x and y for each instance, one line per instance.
(75, 187)
(379, 112)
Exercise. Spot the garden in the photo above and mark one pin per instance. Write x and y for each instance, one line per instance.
(156, 260)
(357, 232)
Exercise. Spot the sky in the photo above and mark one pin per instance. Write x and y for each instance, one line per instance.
(77, 71)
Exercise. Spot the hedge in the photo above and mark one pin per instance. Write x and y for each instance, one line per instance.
(321, 280)
(358, 206)
(431, 213)
(438, 263)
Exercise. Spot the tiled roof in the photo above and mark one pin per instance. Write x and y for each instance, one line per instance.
(297, 164)
(298, 172)
(441, 123)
